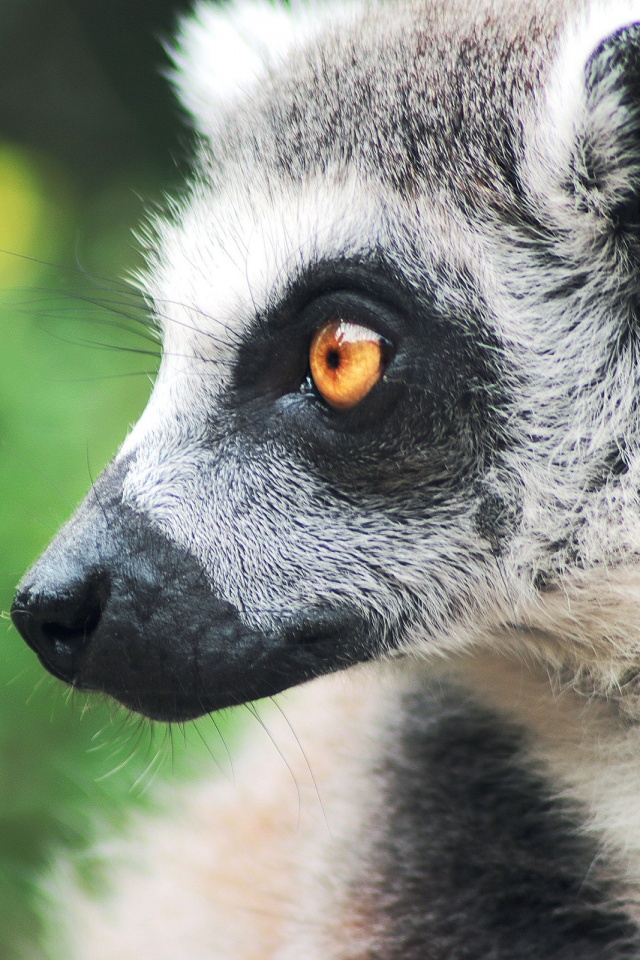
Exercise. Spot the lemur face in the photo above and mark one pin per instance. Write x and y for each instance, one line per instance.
(396, 410)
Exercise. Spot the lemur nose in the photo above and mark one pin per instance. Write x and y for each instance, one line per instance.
(57, 620)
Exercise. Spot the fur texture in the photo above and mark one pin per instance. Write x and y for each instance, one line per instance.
(464, 182)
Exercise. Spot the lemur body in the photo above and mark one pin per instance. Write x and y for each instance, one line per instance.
(451, 198)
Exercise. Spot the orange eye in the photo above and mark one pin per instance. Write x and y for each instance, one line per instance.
(346, 361)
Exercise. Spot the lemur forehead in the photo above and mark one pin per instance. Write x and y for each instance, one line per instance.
(411, 94)
(415, 92)
(234, 255)
(235, 252)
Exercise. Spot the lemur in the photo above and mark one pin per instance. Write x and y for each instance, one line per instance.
(396, 433)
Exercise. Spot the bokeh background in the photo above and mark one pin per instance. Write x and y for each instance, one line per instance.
(89, 136)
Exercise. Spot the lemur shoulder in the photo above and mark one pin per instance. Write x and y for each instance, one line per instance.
(395, 430)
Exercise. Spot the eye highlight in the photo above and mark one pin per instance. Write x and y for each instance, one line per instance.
(346, 361)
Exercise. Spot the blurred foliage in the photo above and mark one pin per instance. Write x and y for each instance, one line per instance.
(75, 370)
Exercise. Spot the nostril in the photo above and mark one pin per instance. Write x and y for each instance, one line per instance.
(58, 621)
(74, 636)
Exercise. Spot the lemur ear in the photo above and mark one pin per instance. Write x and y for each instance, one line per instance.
(606, 170)
(223, 48)
(590, 138)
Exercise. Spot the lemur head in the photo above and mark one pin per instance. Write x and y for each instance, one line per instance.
(397, 410)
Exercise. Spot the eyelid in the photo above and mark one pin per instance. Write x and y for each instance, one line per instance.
(273, 360)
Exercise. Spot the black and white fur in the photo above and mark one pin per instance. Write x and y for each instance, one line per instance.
(466, 181)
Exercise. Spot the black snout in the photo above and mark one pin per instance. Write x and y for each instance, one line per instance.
(113, 605)
(58, 620)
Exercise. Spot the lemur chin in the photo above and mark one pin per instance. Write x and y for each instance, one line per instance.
(396, 429)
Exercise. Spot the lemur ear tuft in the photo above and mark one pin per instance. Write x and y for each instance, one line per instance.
(222, 49)
(586, 137)
(606, 161)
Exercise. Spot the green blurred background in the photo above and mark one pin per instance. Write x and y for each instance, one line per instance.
(89, 135)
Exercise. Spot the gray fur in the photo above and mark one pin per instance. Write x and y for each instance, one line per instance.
(446, 187)
(473, 175)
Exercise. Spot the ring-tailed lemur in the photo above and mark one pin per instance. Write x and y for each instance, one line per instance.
(396, 421)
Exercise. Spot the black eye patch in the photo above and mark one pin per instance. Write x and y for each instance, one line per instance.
(437, 399)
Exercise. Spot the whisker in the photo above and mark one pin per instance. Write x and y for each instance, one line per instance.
(253, 710)
(210, 751)
(77, 271)
(275, 702)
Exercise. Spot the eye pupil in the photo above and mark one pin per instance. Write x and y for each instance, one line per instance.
(333, 359)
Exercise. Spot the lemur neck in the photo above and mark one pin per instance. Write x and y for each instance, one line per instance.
(586, 747)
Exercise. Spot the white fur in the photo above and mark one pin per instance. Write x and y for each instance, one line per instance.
(231, 254)
(223, 880)
(224, 49)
